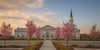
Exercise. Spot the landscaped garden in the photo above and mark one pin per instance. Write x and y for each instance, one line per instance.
(34, 46)
(60, 46)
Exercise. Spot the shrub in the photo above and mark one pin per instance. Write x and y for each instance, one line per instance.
(15, 46)
(1, 46)
(74, 45)
(89, 46)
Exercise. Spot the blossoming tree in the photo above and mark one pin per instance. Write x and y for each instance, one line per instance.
(67, 32)
(6, 31)
(94, 34)
(57, 33)
(31, 28)
(38, 33)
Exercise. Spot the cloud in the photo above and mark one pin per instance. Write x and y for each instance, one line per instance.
(12, 10)
(46, 17)
(41, 19)
(8, 5)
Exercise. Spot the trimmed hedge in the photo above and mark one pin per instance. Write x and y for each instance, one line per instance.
(16, 46)
(12, 46)
(34, 46)
(60, 46)
(2, 46)
(74, 45)
(89, 46)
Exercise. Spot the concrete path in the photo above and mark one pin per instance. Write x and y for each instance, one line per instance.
(11, 48)
(22, 43)
(25, 43)
(85, 49)
(81, 43)
(47, 45)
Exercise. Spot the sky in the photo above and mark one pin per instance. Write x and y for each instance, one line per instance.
(51, 12)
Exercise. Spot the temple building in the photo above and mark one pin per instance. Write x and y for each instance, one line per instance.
(47, 32)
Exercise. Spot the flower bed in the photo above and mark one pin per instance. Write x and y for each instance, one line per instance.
(60, 46)
(34, 46)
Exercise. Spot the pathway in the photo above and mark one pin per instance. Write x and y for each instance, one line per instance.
(47, 45)
(85, 49)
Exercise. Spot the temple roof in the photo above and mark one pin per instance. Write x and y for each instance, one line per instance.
(47, 27)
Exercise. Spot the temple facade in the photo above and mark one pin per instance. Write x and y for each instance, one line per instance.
(47, 32)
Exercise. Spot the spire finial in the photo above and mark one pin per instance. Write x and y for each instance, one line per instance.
(71, 7)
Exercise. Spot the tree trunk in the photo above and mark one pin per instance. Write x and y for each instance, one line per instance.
(93, 42)
(5, 42)
(67, 43)
(29, 41)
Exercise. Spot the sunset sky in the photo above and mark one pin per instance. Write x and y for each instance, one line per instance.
(51, 12)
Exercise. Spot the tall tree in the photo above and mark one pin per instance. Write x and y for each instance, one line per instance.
(94, 34)
(6, 31)
(38, 34)
(68, 32)
(57, 33)
(31, 28)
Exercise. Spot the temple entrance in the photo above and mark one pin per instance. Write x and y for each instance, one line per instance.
(47, 32)
(48, 36)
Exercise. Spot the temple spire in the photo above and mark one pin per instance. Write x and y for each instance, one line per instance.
(71, 12)
(71, 17)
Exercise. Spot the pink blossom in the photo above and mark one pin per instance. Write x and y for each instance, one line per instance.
(67, 31)
(57, 33)
(31, 28)
(94, 33)
(38, 33)
(6, 30)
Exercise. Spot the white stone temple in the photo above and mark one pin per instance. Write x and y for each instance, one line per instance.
(47, 32)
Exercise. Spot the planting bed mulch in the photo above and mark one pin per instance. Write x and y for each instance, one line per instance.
(34, 46)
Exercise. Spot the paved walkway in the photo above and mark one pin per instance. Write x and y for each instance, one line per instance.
(85, 49)
(47, 45)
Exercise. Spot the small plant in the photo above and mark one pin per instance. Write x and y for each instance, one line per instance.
(74, 45)
(89, 46)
